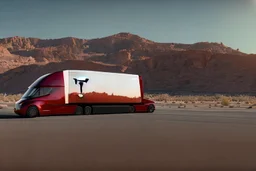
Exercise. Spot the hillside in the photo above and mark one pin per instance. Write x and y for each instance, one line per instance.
(73, 48)
(9, 61)
(200, 67)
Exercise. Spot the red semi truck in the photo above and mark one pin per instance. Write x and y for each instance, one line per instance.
(83, 92)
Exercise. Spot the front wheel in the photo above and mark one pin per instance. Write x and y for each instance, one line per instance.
(32, 112)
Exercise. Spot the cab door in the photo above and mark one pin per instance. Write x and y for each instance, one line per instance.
(56, 102)
(43, 95)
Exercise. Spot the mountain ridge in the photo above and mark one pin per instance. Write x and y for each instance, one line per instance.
(37, 42)
(202, 66)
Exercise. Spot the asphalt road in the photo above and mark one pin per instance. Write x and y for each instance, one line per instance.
(169, 139)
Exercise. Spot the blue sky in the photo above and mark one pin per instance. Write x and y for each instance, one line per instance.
(232, 22)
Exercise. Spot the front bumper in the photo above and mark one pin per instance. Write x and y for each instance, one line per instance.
(19, 110)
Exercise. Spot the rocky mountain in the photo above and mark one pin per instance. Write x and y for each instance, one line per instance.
(73, 48)
(9, 61)
(200, 67)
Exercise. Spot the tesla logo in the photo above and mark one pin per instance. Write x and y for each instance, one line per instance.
(81, 83)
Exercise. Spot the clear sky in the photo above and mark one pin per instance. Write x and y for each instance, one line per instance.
(232, 22)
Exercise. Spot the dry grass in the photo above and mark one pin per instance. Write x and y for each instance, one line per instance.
(10, 98)
(219, 99)
(3, 106)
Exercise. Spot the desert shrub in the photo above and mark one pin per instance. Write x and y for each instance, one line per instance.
(162, 97)
(247, 102)
(202, 98)
(241, 98)
(148, 96)
(225, 101)
(217, 97)
(10, 97)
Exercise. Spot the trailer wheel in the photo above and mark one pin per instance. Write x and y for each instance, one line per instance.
(151, 108)
(87, 110)
(79, 110)
(32, 112)
(132, 109)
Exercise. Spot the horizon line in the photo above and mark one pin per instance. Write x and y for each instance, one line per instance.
(110, 35)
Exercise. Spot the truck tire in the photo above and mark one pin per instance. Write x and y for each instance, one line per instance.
(79, 110)
(132, 109)
(32, 112)
(151, 108)
(87, 110)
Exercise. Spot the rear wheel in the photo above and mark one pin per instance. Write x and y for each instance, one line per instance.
(79, 110)
(87, 110)
(32, 112)
(132, 109)
(151, 108)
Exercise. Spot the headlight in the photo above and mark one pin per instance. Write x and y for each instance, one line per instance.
(18, 106)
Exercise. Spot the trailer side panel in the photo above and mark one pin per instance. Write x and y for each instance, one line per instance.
(82, 86)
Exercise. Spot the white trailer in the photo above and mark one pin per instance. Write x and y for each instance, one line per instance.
(84, 86)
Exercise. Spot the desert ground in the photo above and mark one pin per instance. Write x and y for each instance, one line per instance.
(172, 138)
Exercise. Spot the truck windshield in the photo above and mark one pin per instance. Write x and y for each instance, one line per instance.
(34, 92)
(29, 92)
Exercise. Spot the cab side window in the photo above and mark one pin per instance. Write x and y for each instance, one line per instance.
(35, 93)
(45, 91)
(42, 91)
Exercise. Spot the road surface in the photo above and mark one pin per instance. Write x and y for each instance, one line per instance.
(169, 139)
